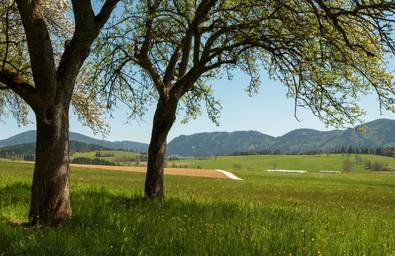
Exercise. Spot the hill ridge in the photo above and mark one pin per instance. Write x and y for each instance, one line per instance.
(379, 133)
(30, 137)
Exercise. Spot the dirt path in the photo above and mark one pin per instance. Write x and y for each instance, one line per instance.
(209, 173)
(170, 171)
(229, 174)
(143, 163)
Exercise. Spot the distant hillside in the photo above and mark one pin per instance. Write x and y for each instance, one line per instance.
(378, 133)
(30, 137)
(218, 143)
(30, 148)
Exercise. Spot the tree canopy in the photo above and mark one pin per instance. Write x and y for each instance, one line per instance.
(327, 53)
(15, 64)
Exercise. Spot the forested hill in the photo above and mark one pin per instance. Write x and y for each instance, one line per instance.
(221, 143)
(378, 133)
(30, 148)
(30, 137)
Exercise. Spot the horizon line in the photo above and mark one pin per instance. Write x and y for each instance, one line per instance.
(104, 138)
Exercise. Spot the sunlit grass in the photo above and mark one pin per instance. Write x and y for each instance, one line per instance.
(311, 163)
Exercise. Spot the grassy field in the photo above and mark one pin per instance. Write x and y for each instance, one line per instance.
(311, 163)
(265, 214)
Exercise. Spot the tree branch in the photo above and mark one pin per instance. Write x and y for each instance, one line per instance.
(19, 86)
(201, 14)
(105, 12)
(40, 48)
(142, 54)
(84, 15)
(77, 50)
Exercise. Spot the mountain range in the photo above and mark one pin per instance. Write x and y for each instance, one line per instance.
(30, 148)
(30, 137)
(378, 133)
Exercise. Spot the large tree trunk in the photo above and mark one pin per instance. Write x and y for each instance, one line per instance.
(50, 200)
(164, 117)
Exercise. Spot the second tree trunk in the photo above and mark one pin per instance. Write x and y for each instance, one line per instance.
(164, 118)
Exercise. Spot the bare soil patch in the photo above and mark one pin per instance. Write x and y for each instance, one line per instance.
(210, 173)
(170, 164)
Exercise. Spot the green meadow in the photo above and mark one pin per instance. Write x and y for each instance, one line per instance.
(311, 163)
(352, 213)
(116, 156)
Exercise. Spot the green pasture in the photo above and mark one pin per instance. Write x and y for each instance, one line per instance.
(116, 156)
(260, 163)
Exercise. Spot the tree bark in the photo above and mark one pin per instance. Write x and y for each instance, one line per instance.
(50, 199)
(164, 117)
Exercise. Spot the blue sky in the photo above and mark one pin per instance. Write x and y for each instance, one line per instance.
(269, 112)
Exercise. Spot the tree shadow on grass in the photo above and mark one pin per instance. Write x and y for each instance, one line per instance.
(104, 223)
(15, 193)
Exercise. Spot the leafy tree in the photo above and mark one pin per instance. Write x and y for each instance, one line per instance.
(347, 165)
(42, 53)
(378, 166)
(326, 53)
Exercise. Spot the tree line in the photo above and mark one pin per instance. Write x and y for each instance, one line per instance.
(62, 55)
(19, 157)
(386, 151)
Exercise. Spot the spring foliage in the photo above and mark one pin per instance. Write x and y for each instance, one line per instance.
(15, 62)
(327, 53)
